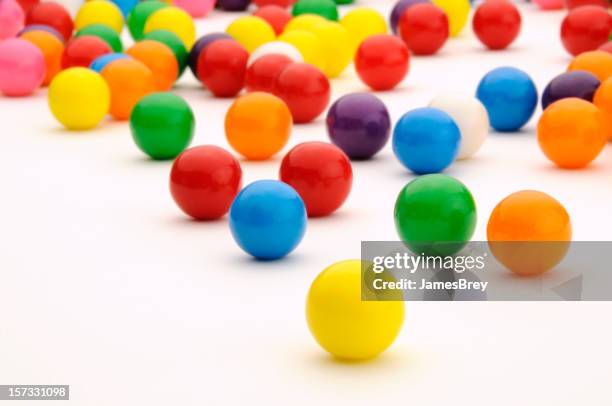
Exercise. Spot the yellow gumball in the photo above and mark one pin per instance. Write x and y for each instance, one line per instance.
(457, 11)
(308, 44)
(175, 20)
(336, 44)
(251, 31)
(79, 98)
(362, 23)
(303, 22)
(99, 12)
(342, 323)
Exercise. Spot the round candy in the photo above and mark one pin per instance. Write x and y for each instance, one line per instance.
(382, 61)
(579, 84)
(276, 48)
(52, 49)
(599, 63)
(175, 20)
(26, 5)
(603, 100)
(435, 215)
(99, 12)
(126, 6)
(268, 219)
(261, 75)
(549, 4)
(510, 97)
(529, 232)
(82, 51)
(470, 116)
(199, 46)
(79, 98)
(129, 81)
(308, 44)
(173, 42)
(159, 59)
(254, 135)
(54, 15)
(572, 4)
(304, 22)
(359, 124)
(585, 29)
(424, 28)
(362, 23)
(336, 47)
(337, 315)
(22, 67)
(279, 3)
(100, 62)
(572, 132)
(140, 14)
(607, 47)
(399, 9)
(497, 23)
(305, 89)
(204, 181)
(162, 125)
(222, 67)
(195, 8)
(11, 19)
(324, 8)
(105, 33)
(251, 32)
(45, 28)
(276, 16)
(426, 140)
(322, 175)
(233, 5)
(457, 11)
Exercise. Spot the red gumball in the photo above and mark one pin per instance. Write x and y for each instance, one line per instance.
(54, 15)
(222, 67)
(305, 89)
(26, 5)
(424, 28)
(280, 3)
(321, 174)
(276, 16)
(497, 23)
(606, 47)
(262, 73)
(382, 61)
(585, 29)
(82, 51)
(204, 181)
(572, 4)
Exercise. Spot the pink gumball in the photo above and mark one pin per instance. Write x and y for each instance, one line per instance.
(11, 18)
(550, 4)
(196, 8)
(22, 67)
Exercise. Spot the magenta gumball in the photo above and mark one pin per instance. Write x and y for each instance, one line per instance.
(196, 8)
(12, 19)
(550, 4)
(22, 67)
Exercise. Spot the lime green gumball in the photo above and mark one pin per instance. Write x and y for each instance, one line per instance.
(435, 215)
(139, 16)
(172, 41)
(162, 125)
(324, 8)
(105, 33)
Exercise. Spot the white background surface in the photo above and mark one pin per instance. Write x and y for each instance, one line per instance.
(106, 286)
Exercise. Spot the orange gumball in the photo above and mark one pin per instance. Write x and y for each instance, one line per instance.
(52, 49)
(529, 232)
(258, 125)
(572, 132)
(599, 63)
(160, 59)
(603, 100)
(129, 81)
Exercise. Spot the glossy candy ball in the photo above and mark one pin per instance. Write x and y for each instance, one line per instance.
(162, 125)
(159, 59)
(324, 8)
(458, 12)
(100, 62)
(572, 4)
(359, 124)
(233, 5)
(45, 28)
(579, 84)
(54, 15)
(140, 14)
(175, 20)
(382, 61)
(129, 81)
(276, 48)
(322, 175)
(251, 32)
(603, 100)
(254, 135)
(79, 98)
(510, 97)
(195, 8)
(199, 46)
(105, 33)
(52, 49)
(268, 219)
(305, 89)
(22, 67)
(426, 140)
(276, 16)
(337, 315)
(99, 12)
(497, 23)
(82, 51)
(361, 23)
(549, 4)
(126, 6)
(424, 28)
(435, 215)
(11, 19)
(172, 41)
(261, 75)
(279, 3)
(399, 9)
(572, 133)
(607, 47)
(222, 67)
(585, 29)
(304, 22)
(309, 45)
(336, 47)
(599, 63)
(204, 181)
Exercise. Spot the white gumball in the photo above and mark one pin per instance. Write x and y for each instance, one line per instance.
(276, 47)
(471, 118)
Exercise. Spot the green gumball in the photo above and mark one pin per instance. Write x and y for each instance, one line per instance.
(139, 15)
(105, 33)
(324, 8)
(172, 41)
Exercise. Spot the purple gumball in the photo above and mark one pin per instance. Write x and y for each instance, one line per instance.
(40, 27)
(576, 83)
(359, 124)
(199, 46)
(233, 5)
(399, 9)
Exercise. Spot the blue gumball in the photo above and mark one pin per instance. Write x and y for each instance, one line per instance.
(126, 6)
(426, 140)
(510, 97)
(268, 219)
(100, 62)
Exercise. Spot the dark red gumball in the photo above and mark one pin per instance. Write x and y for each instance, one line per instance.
(54, 15)
(572, 4)
(262, 73)
(585, 29)
(424, 28)
(321, 174)
(26, 5)
(497, 23)
(276, 16)
(382, 61)
(204, 181)
(606, 47)
(305, 89)
(280, 3)
(222, 67)
(82, 51)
